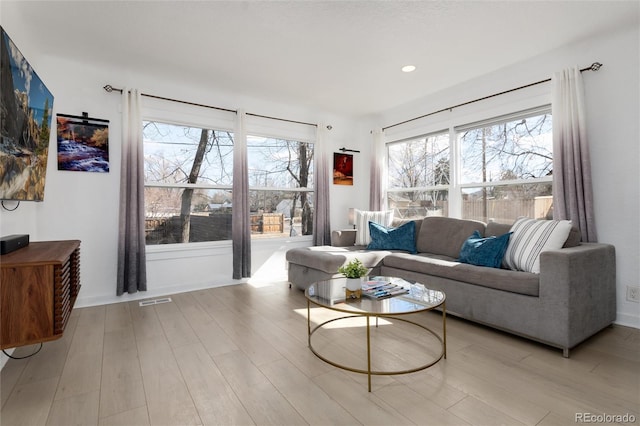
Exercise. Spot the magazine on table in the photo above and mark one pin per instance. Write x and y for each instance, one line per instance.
(381, 289)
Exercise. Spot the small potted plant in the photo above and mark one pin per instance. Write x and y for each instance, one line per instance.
(353, 271)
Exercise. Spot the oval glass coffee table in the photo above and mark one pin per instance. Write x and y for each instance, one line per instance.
(330, 294)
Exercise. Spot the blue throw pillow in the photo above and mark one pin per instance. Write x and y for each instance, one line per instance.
(488, 251)
(401, 238)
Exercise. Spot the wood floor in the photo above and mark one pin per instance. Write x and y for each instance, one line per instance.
(238, 355)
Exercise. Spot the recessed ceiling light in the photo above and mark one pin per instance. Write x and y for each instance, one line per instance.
(408, 68)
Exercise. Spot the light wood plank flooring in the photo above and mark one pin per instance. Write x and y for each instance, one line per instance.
(238, 355)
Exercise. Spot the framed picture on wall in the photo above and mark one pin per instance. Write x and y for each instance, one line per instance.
(342, 169)
(25, 126)
(83, 144)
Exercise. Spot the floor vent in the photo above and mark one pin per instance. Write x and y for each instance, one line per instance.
(155, 301)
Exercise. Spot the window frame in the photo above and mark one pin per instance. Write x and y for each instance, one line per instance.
(456, 125)
(191, 116)
(196, 116)
(272, 135)
(426, 188)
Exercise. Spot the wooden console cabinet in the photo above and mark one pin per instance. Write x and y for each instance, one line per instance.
(38, 288)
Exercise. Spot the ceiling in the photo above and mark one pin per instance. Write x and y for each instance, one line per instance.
(339, 56)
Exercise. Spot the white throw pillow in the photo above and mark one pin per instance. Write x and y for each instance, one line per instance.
(530, 238)
(383, 218)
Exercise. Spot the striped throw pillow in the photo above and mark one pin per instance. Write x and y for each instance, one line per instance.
(530, 238)
(384, 218)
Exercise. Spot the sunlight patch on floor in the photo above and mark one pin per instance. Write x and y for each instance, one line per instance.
(319, 315)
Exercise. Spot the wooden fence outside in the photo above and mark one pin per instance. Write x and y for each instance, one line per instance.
(504, 211)
(267, 223)
(507, 210)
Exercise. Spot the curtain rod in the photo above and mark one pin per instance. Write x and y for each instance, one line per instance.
(109, 88)
(594, 67)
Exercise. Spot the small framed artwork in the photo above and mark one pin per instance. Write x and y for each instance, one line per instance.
(83, 144)
(342, 169)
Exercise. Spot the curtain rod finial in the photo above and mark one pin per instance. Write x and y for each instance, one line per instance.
(108, 88)
(329, 127)
(595, 66)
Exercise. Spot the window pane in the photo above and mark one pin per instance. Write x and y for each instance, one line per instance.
(506, 203)
(208, 218)
(418, 204)
(281, 213)
(177, 153)
(419, 162)
(516, 149)
(279, 163)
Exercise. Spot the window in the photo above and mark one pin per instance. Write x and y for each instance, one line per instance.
(188, 180)
(280, 187)
(419, 176)
(506, 167)
(497, 169)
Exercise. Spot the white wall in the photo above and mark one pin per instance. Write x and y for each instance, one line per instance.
(84, 206)
(613, 109)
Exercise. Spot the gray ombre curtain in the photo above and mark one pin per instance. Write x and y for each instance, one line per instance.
(322, 176)
(376, 190)
(240, 223)
(572, 187)
(132, 268)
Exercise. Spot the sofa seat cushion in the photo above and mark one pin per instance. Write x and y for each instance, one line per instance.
(329, 259)
(446, 267)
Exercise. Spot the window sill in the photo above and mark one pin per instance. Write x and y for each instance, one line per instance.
(215, 248)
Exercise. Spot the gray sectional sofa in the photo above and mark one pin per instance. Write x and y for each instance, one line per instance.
(572, 298)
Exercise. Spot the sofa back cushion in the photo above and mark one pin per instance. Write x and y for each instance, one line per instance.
(494, 229)
(396, 223)
(445, 235)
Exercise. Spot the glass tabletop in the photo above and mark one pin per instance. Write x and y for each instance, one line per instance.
(331, 294)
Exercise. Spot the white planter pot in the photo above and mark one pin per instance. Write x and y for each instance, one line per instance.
(354, 284)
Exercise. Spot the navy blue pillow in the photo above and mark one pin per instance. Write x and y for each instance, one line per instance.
(488, 251)
(401, 238)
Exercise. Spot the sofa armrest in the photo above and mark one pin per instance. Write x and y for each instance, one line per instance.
(585, 265)
(343, 237)
(578, 285)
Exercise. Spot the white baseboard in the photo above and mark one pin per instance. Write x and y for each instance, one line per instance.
(84, 302)
(628, 320)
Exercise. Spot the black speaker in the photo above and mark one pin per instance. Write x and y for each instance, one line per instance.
(13, 242)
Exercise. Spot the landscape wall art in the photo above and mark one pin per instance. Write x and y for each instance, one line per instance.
(83, 144)
(25, 125)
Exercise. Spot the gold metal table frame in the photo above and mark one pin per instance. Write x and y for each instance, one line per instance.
(324, 288)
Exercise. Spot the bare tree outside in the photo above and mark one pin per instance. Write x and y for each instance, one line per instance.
(519, 149)
(500, 157)
(507, 153)
(416, 165)
(276, 166)
(176, 154)
(187, 193)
